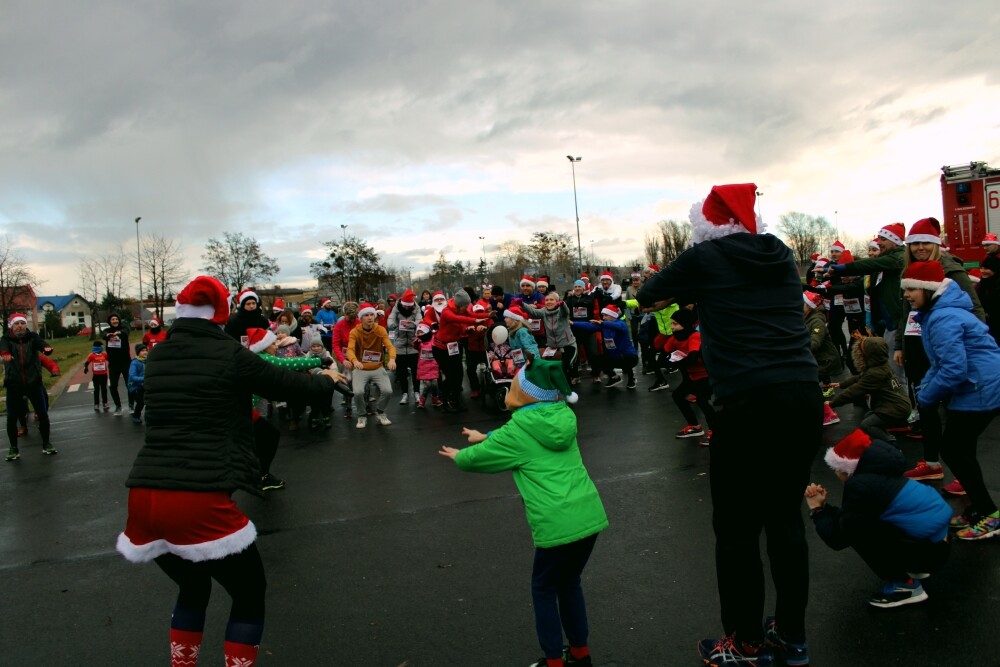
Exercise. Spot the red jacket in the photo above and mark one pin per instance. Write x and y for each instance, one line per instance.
(50, 365)
(151, 340)
(694, 368)
(453, 325)
(341, 334)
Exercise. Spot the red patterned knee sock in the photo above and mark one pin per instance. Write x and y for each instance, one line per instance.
(240, 655)
(184, 648)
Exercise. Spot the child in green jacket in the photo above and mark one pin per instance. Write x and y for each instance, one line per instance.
(563, 508)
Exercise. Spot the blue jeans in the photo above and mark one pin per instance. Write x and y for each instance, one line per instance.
(558, 597)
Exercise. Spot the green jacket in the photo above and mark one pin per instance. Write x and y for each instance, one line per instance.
(888, 294)
(662, 317)
(821, 344)
(539, 446)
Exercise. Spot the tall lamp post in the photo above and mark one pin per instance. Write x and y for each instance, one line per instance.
(576, 208)
(347, 282)
(482, 262)
(760, 207)
(138, 265)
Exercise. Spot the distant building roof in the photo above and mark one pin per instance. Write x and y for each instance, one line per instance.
(58, 301)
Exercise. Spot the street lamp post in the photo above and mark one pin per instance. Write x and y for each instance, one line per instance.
(482, 260)
(138, 266)
(760, 207)
(347, 282)
(576, 208)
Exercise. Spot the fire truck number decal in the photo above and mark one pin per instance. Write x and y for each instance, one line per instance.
(993, 207)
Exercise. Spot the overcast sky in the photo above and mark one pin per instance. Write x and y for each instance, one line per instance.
(425, 125)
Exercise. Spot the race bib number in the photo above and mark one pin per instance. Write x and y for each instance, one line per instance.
(609, 343)
(534, 325)
(371, 356)
(392, 335)
(580, 313)
(868, 304)
(114, 343)
(100, 367)
(245, 341)
(407, 325)
(517, 354)
(549, 352)
(677, 355)
(454, 349)
(912, 327)
(426, 354)
(838, 299)
(852, 305)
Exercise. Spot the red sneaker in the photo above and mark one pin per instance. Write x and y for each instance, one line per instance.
(22, 431)
(924, 471)
(690, 431)
(708, 439)
(954, 488)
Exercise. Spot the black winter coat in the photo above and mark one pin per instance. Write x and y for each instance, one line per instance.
(24, 369)
(243, 320)
(117, 346)
(199, 429)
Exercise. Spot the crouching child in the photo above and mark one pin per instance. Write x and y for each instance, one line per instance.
(898, 526)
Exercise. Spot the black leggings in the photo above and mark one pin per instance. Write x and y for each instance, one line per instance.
(451, 370)
(114, 373)
(702, 390)
(17, 408)
(242, 575)
(265, 441)
(406, 373)
(472, 360)
(958, 449)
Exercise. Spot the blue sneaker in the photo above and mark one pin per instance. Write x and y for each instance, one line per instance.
(728, 652)
(897, 594)
(791, 653)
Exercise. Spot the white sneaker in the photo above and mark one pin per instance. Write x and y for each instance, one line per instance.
(362, 422)
(405, 399)
(382, 419)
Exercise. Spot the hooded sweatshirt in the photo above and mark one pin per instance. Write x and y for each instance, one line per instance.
(749, 298)
(244, 319)
(886, 397)
(539, 446)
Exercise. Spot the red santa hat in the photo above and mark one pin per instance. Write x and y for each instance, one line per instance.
(846, 257)
(153, 323)
(814, 256)
(279, 304)
(392, 297)
(305, 308)
(820, 263)
(975, 275)
(927, 230)
(438, 295)
(611, 310)
(323, 301)
(204, 298)
(728, 209)
(607, 275)
(366, 309)
(480, 306)
(259, 340)
(526, 280)
(873, 244)
(925, 275)
(844, 456)
(17, 317)
(244, 295)
(585, 277)
(893, 232)
(837, 245)
(423, 329)
(991, 239)
(812, 299)
(655, 268)
(408, 299)
(543, 281)
(515, 313)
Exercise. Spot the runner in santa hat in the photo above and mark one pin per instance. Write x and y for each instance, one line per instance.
(991, 244)
(618, 349)
(247, 316)
(528, 293)
(156, 334)
(748, 292)
(183, 516)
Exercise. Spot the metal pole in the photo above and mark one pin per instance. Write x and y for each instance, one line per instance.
(138, 264)
(347, 277)
(576, 209)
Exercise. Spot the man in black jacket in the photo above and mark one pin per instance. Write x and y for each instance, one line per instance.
(764, 379)
(19, 350)
(199, 450)
(119, 359)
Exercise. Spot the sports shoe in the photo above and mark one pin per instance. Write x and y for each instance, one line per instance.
(382, 419)
(690, 431)
(961, 521)
(924, 471)
(691, 398)
(48, 449)
(348, 413)
(422, 402)
(986, 527)
(13, 454)
(631, 383)
(136, 420)
(659, 386)
(405, 399)
(118, 411)
(828, 392)
(326, 422)
(22, 431)
(107, 407)
(436, 401)
(613, 380)
(792, 654)
(97, 407)
(269, 482)
(708, 439)
(897, 594)
(647, 371)
(829, 416)
(728, 652)
(362, 422)
(568, 659)
(954, 488)
(913, 417)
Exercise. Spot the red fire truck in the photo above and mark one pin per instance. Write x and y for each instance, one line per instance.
(971, 196)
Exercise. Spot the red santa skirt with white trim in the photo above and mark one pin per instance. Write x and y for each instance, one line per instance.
(195, 525)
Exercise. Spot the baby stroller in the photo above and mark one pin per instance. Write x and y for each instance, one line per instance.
(502, 363)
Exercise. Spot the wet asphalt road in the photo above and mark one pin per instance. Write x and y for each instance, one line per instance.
(380, 552)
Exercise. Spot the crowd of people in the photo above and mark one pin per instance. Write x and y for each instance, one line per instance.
(907, 334)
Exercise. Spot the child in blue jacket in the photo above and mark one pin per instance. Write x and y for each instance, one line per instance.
(136, 380)
(618, 349)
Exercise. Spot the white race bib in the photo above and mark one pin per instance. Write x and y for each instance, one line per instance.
(371, 356)
(517, 354)
(534, 325)
(453, 348)
(912, 327)
(609, 343)
(426, 353)
(580, 313)
(549, 352)
(407, 325)
(852, 305)
(838, 299)
(114, 343)
(100, 367)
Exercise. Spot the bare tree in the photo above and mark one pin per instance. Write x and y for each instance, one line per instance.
(805, 234)
(675, 237)
(238, 261)
(161, 262)
(653, 247)
(16, 279)
(111, 267)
